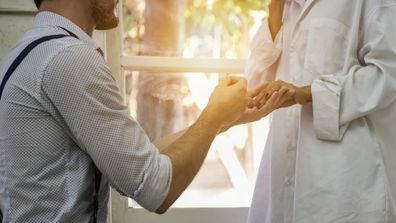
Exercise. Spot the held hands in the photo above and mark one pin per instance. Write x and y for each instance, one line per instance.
(255, 113)
(294, 95)
(228, 101)
(230, 104)
(269, 97)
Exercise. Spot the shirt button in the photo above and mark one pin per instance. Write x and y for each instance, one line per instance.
(292, 48)
(288, 182)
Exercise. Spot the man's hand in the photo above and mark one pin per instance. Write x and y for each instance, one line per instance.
(275, 101)
(297, 95)
(228, 101)
(275, 16)
(187, 150)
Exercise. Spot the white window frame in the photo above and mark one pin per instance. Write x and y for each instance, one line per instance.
(182, 65)
(111, 43)
(119, 210)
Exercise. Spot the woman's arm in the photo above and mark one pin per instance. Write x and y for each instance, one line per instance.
(275, 16)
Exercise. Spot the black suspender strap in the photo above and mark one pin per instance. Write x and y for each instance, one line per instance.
(22, 56)
(70, 33)
(18, 61)
(97, 180)
(11, 70)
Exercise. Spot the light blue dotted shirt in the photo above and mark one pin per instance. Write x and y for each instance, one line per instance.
(60, 113)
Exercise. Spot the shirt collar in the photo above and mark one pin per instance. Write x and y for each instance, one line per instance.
(289, 4)
(46, 18)
(300, 2)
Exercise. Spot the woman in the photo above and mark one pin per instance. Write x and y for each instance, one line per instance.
(331, 157)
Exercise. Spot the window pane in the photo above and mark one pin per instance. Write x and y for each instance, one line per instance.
(167, 102)
(164, 103)
(190, 28)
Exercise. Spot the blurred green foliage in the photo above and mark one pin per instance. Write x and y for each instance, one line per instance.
(220, 24)
(232, 18)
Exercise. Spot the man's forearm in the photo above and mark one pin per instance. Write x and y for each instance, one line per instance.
(187, 154)
(167, 140)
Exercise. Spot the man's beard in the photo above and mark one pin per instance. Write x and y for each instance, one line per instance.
(103, 14)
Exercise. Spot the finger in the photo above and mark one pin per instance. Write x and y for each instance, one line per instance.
(250, 103)
(255, 92)
(241, 85)
(280, 98)
(261, 101)
(272, 99)
(235, 79)
(260, 96)
(287, 99)
(283, 91)
(267, 92)
(264, 94)
(291, 92)
(271, 89)
(225, 82)
(264, 100)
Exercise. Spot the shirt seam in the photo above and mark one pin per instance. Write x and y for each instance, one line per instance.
(44, 74)
(375, 10)
(147, 176)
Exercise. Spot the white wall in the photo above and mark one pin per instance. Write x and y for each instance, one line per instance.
(16, 17)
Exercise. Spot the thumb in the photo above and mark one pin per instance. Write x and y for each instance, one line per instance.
(242, 83)
(225, 82)
(255, 92)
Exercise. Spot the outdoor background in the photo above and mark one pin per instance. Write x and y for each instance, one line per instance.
(167, 102)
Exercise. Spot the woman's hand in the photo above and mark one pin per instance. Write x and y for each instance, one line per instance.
(297, 95)
(253, 113)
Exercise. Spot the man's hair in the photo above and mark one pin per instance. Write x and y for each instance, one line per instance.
(38, 3)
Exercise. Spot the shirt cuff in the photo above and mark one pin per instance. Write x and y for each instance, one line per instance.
(326, 96)
(264, 53)
(156, 184)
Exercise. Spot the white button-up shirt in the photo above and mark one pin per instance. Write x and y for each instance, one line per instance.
(332, 161)
(60, 113)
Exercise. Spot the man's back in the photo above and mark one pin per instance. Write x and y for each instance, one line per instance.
(61, 112)
(33, 134)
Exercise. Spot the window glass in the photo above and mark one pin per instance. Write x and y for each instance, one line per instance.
(168, 102)
(165, 102)
(191, 28)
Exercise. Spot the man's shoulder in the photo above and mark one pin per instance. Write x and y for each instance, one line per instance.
(66, 45)
(79, 51)
(71, 52)
(76, 62)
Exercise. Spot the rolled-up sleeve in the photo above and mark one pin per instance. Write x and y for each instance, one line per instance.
(326, 96)
(366, 88)
(264, 53)
(83, 92)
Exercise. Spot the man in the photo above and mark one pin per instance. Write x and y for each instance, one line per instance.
(332, 158)
(65, 134)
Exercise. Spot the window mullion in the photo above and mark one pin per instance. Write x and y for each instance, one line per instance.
(175, 64)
